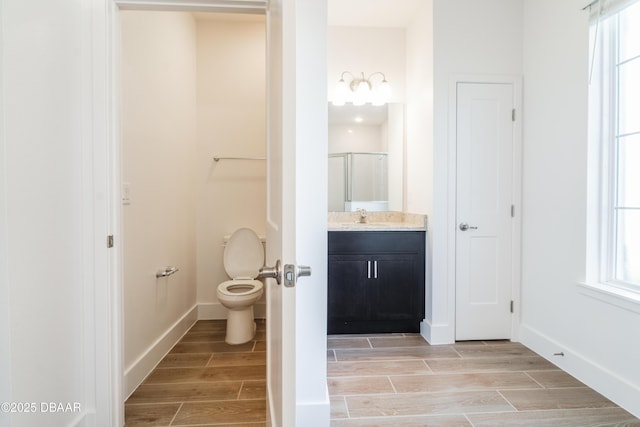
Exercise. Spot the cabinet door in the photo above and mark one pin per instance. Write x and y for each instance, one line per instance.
(375, 282)
(347, 300)
(393, 289)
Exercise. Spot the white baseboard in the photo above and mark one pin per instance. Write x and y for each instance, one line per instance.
(436, 334)
(216, 311)
(313, 414)
(138, 371)
(271, 420)
(211, 311)
(86, 419)
(599, 378)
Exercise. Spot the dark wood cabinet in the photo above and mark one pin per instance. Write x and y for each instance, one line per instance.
(376, 281)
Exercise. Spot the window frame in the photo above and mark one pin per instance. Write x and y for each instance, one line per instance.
(603, 168)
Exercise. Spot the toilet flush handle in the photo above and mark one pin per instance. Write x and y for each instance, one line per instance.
(274, 272)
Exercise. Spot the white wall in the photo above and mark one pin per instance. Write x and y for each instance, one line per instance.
(5, 319)
(308, 194)
(419, 112)
(44, 238)
(470, 38)
(419, 156)
(158, 156)
(596, 337)
(231, 122)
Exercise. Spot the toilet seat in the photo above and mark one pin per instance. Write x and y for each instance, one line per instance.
(240, 287)
(243, 255)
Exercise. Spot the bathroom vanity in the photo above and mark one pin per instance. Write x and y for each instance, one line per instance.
(376, 275)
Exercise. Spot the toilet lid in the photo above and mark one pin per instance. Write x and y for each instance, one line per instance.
(243, 255)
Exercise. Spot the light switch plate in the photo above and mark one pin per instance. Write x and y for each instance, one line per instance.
(126, 193)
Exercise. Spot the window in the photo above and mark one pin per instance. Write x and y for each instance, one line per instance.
(614, 117)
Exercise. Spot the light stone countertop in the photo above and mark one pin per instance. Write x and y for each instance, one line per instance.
(377, 221)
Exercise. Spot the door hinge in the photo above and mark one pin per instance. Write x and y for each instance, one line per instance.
(511, 306)
(513, 115)
(110, 241)
(513, 211)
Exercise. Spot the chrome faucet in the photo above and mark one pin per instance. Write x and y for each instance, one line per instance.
(363, 216)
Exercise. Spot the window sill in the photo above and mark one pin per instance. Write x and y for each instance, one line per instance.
(613, 295)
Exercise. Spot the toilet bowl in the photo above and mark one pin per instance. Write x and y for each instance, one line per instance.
(243, 257)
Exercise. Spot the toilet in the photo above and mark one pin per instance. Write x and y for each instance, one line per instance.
(243, 257)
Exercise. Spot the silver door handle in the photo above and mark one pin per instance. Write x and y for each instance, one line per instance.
(291, 273)
(464, 227)
(274, 272)
(304, 271)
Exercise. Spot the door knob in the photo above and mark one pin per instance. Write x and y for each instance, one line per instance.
(464, 227)
(291, 273)
(274, 272)
(304, 271)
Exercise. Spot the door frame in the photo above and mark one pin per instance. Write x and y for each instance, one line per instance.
(516, 224)
(105, 391)
(105, 333)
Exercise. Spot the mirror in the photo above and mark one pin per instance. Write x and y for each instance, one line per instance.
(366, 153)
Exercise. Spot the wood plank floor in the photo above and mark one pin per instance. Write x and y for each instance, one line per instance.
(400, 380)
(377, 380)
(204, 381)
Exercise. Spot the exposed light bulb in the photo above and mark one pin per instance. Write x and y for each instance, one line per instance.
(362, 93)
(341, 93)
(382, 94)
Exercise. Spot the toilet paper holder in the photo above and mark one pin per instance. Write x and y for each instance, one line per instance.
(168, 271)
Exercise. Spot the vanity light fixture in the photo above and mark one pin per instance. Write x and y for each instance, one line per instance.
(360, 91)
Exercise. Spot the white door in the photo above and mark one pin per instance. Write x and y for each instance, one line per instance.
(296, 212)
(484, 197)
